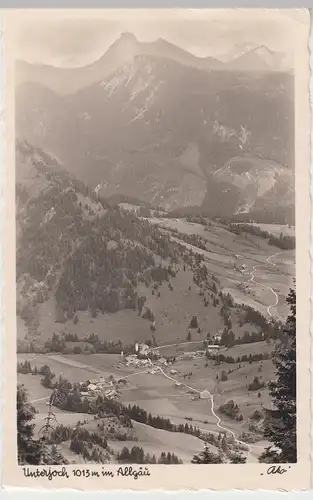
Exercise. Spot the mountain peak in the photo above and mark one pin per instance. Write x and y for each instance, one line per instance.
(126, 35)
(125, 42)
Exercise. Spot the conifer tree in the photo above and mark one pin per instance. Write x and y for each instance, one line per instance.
(281, 423)
(207, 457)
(29, 449)
(237, 458)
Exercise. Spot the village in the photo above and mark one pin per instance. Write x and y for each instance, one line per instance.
(148, 360)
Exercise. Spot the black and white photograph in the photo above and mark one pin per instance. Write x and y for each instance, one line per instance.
(155, 226)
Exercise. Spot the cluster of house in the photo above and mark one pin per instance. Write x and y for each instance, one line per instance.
(201, 395)
(140, 358)
(134, 361)
(217, 338)
(107, 387)
(205, 394)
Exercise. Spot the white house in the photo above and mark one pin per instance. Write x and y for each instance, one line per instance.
(92, 387)
(217, 338)
(163, 361)
(131, 359)
(205, 394)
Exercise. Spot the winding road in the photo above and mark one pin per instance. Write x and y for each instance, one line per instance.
(160, 370)
(218, 424)
(211, 398)
(177, 344)
(252, 279)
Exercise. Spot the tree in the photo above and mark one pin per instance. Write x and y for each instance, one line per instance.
(256, 384)
(54, 457)
(280, 425)
(29, 449)
(46, 381)
(193, 322)
(207, 457)
(224, 376)
(228, 338)
(237, 458)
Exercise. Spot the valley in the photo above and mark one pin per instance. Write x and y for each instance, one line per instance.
(179, 377)
(155, 253)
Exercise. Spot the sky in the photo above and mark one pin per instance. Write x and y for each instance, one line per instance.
(75, 38)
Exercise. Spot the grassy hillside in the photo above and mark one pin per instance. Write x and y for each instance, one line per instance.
(85, 268)
(93, 279)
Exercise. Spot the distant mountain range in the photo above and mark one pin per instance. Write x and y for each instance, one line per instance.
(259, 56)
(127, 47)
(167, 130)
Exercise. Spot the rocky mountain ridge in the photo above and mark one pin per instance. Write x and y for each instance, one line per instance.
(126, 48)
(139, 132)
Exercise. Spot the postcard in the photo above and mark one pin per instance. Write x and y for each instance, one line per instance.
(156, 249)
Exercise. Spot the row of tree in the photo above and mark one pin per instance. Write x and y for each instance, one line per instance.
(137, 456)
(280, 427)
(244, 358)
(280, 424)
(284, 242)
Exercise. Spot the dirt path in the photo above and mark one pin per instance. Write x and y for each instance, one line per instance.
(211, 398)
(177, 344)
(158, 369)
(252, 279)
(219, 424)
(40, 399)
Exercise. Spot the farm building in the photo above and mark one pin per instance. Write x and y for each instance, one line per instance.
(131, 360)
(213, 348)
(205, 394)
(92, 387)
(143, 348)
(122, 381)
(195, 397)
(217, 338)
(162, 361)
(93, 381)
(111, 394)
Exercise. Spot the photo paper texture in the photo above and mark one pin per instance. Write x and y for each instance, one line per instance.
(157, 292)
